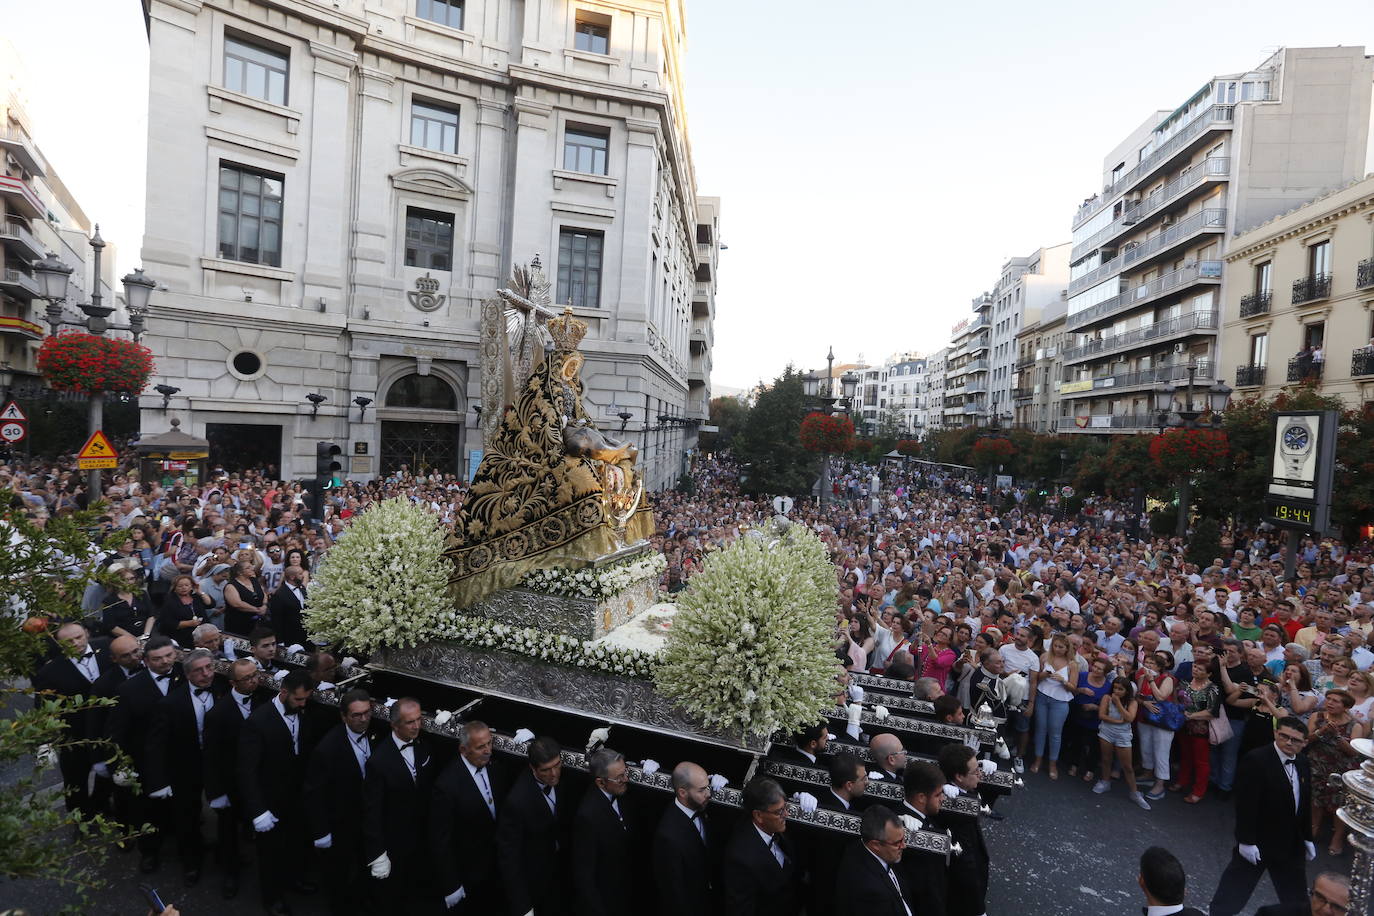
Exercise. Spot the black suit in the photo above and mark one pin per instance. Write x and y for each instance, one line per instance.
(685, 866)
(64, 677)
(1273, 909)
(864, 888)
(129, 723)
(786, 753)
(755, 884)
(106, 794)
(397, 818)
(531, 844)
(272, 778)
(968, 870)
(925, 872)
(284, 610)
(222, 728)
(462, 833)
(604, 847)
(1267, 818)
(175, 759)
(335, 806)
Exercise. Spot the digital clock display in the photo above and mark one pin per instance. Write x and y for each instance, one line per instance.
(1288, 513)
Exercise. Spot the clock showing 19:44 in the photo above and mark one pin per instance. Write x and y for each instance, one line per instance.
(1288, 513)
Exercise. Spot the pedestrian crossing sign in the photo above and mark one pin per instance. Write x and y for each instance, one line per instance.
(97, 453)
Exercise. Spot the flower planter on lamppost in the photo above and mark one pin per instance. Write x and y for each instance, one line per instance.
(1186, 418)
(825, 404)
(103, 358)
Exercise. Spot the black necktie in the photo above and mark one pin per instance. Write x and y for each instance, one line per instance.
(161, 677)
(246, 700)
(90, 654)
(200, 691)
(407, 744)
(548, 791)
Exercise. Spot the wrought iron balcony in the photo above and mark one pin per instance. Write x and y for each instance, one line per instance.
(1362, 361)
(1022, 394)
(1195, 321)
(1310, 289)
(1364, 274)
(1255, 304)
(1305, 369)
(1249, 376)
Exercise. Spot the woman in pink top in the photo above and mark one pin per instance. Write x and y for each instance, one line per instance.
(936, 657)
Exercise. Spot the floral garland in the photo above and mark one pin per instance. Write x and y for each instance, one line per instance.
(595, 584)
(481, 633)
(820, 432)
(1187, 451)
(77, 361)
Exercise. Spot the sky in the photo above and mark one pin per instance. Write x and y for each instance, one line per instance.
(877, 162)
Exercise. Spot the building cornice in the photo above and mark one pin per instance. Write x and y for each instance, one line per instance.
(300, 9)
(1306, 227)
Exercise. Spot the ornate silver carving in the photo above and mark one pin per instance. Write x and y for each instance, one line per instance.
(583, 618)
(957, 733)
(876, 788)
(882, 683)
(425, 296)
(625, 700)
(1002, 781)
(906, 704)
(1358, 816)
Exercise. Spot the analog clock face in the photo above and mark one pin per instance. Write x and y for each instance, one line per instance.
(1296, 438)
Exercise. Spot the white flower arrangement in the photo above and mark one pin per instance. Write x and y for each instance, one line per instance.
(384, 584)
(749, 649)
(481, 633)
(595, 584)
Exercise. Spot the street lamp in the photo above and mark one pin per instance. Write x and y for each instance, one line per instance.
(993, 431)
(54, 277)
(1186, 417)
(826, 401)
(362, 401)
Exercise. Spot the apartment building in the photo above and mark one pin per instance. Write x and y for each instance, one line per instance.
(1299, 299)
(967, 367)
(335, 188)
(906, 396)
(1039, 365)
(1025, 287)
(1146, 268)
(934, 390)
(37, 215)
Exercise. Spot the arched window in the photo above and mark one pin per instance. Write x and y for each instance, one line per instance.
(427, 392)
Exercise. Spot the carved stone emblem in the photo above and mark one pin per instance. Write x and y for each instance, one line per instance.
(425, 296)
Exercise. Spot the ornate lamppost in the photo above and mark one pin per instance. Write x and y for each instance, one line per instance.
(1186, 417)
(826, 402)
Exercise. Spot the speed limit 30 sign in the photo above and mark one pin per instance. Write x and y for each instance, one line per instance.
(12, 432)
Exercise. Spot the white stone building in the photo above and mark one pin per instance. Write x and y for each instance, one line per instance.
(1027, 285)
(333, 189)
(935, 390)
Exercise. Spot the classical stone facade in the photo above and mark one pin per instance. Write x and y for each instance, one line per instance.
(334, 189)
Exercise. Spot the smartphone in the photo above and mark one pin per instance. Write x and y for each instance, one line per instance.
(151, 898)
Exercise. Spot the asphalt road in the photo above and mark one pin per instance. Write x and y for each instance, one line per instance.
(1062, 851)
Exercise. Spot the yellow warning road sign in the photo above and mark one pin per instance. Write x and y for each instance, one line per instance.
(97, 453)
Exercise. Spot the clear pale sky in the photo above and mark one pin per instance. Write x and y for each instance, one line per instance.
(877, 161)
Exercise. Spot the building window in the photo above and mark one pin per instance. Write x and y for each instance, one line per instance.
(1259, 350)
(255, 70)
(249, 215)
(585, 151)
(429, 239)
(579, 268)
(593, 33)
(1319, 259)
(444, 12)
(432, 127)
(1263, 276)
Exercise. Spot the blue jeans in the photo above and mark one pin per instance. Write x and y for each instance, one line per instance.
(1049, 726)
(1224, 757)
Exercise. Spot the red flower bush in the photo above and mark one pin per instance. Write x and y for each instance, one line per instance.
(992, 451)
(1178, 452)
(77, 361)
(911, 447)
(821, 432)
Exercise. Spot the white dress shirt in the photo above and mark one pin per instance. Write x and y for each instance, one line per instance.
(88, 666)
(163, 682)
(895, 883)
(773, 847)
(481, 779)
(293, 724)
(201, 704)
(694, 817)
(407, 750)
(243, 702)
(1290, 770)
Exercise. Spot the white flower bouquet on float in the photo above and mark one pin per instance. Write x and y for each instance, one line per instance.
(595, 583)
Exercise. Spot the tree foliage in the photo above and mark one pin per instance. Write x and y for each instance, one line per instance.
(768, 445)
(728, 416)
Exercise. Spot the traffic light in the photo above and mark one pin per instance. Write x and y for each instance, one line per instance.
(327, 467)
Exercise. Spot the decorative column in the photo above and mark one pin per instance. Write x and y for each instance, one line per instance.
(1358, 816)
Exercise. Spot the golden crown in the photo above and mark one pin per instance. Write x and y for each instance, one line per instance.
(567, 331)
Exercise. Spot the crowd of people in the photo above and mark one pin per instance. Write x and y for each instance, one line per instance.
(1103, 655)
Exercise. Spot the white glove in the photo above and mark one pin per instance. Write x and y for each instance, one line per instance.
(598, 736)
(164, 792)
(220, 803)
(856, 693)
(44, 757)
(855, 712)
(279, 674)
(123, 778)
(381, 867)
(880, 713)
(1311, 850)
(390, 701)
(875, 776)
(442, 717)
(988, 767)
(806, 801)
(650, 767)
(349, 662)
(910, 823)
(950, 791)
(956, 848)
(523, 735)
(1250, 853)
(101, 769)
(1002, 750)
(455, 898)
(324, 685)
(325, 841)
(264, 822)
(295, 647)
(227, 647)
(718, 782)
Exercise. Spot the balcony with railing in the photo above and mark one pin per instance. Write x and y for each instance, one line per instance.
(977, 344)
(1025, 362)
(1170, 372)
(1362, 362)
(1249, 376)
(22, 198)
(1022, 394)
(1165, 284)
(1214, 168)
(1364, 274)
(1159, 330)
(1306, 369)
(1311, 289)
(18, 238)
(1108, 422)
(976, 386)
(1256, 303)
(1215, 117)
(977, 365)
(1213, 219)
(19, 284)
